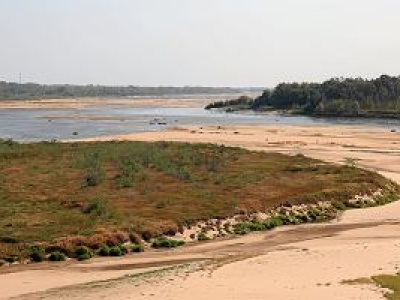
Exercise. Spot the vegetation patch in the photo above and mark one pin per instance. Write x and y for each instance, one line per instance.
(84, 198)
(83, 253)
(57, 256)
(391, 282)
(137, 248)
(166, 243)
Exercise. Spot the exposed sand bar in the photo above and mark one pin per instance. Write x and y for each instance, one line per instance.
(303, 262)
(77, 103)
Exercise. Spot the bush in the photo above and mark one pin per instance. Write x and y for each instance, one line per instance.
(104, 250)
(241, 228)
(256, 226)
(166, 243)
(83, 253)
(273, 222)
(137, 248)
(85, 256)
(303, 218)
(57, 256)
(116, 251)
(37, 254)
(202, 237)
(290, 220)
(124, 249)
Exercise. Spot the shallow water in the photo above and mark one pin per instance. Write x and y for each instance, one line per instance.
(100, 120)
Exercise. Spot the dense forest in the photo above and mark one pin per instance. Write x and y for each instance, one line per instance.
(9, 90)
(378, 97)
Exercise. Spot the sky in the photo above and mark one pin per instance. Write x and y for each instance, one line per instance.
(197, 42)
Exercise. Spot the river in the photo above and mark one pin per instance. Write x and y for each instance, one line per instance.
(45, 124)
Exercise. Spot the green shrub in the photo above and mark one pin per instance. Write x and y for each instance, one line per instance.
(104, 250)
(137, 248)
(167, 243)
(313, 214)
(83, 253)
(286, 220)
(273, 222)
(57, 256)
(85, 256)
(202, 237)
(124, 249)
(256, 226)
(303, 218)
(116, 251)
(290, 220)
(37, 254)
(241, 228)
(339, 205)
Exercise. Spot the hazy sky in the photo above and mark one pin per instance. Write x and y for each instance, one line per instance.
(197, 42)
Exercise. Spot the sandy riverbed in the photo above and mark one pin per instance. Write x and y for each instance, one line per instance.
(303, 262)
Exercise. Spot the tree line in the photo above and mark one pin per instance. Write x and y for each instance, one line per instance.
(11, 90)
(337, 96)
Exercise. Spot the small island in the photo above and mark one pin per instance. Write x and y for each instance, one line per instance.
(75, 200)
(337, 97)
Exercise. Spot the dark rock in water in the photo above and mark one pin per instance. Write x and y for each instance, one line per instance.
(75, 133)
(158, 121)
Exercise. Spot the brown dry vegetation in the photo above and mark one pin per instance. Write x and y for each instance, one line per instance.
(96, 193)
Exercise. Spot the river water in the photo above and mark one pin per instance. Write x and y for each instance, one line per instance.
(100, 120)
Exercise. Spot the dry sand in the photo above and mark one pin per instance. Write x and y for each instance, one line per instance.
(182, 101)
(301, 262)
